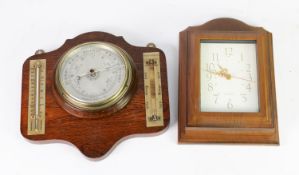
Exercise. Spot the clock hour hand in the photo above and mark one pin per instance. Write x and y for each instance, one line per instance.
(223, 72)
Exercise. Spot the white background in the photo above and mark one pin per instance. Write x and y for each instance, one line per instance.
(30, 25)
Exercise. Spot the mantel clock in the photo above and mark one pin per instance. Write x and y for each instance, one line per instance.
(226, 84)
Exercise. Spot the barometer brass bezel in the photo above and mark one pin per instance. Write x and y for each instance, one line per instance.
(119, 99)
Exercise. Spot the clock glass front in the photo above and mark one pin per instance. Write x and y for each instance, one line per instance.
(228, 76)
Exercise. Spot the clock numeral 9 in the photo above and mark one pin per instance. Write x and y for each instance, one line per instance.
(209, 75)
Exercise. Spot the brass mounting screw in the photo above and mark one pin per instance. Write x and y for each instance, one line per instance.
(39, 51)
(151, 45)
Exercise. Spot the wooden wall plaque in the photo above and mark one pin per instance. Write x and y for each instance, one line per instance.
(48, 113)
(227, 84)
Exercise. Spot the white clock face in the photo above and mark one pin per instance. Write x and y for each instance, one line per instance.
(228, 76)
(92, 73)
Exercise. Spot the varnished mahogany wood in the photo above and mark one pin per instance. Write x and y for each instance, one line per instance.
(93, 136)
(229, 127)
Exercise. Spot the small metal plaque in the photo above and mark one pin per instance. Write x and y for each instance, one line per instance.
(153, 89)
(37, 97)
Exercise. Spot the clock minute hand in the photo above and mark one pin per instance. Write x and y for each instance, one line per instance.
(243, 79)
(223, 72)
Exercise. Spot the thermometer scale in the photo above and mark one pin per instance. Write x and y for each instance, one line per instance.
(152, 89)
(36, 100)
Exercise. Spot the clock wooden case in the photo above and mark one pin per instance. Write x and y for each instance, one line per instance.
(236, 112)
(93, 132)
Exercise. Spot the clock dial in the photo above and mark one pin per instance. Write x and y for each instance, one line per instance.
(228, 76)
(93, 73)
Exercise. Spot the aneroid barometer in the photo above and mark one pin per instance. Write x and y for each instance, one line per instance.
(95, 76)
(93, 91)
(227, 87)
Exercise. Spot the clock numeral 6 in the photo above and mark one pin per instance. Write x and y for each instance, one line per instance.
(229, 104)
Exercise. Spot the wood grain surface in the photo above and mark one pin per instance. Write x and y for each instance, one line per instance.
(94, 136)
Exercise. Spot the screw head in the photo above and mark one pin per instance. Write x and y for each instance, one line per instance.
(151, 45)
(39, 51)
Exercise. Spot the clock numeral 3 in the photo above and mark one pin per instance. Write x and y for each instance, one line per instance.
(248, 67)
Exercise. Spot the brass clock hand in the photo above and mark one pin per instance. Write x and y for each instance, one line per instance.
(242, 79)
(223, 72)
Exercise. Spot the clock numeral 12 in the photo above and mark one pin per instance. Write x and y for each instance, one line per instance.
(229, 51)
(215, 57)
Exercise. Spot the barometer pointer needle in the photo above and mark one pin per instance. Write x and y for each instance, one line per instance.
(99, 70)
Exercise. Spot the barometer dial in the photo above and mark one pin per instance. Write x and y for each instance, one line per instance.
(94, 75)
